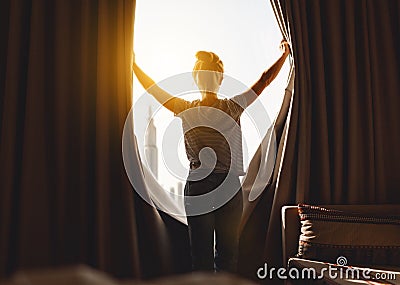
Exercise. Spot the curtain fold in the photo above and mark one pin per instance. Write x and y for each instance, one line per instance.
(66, 90)
(346, 97)
(339, 143)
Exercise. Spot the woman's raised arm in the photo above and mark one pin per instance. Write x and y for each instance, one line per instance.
(270, 74)
(162, 96)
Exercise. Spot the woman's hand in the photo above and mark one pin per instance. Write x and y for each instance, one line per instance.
(284, 47)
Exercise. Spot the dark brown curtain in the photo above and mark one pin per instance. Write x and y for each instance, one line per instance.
(340, 142)
(65, 82)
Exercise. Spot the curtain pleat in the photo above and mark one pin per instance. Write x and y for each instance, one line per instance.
(66, 90)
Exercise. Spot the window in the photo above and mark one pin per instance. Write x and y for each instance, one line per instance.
(243, 33)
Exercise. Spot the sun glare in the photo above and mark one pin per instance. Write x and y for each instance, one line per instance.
(244, 34)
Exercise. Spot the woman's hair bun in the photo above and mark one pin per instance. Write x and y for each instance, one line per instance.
(207, 56)
(207, 60)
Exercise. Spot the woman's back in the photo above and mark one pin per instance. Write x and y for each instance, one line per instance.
(213, 137)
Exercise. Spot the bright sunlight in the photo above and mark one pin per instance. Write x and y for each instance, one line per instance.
(244, 34)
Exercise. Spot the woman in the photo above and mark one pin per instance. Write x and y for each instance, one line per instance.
(207, 125)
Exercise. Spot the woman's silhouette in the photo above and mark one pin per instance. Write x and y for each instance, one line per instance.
(219, 167)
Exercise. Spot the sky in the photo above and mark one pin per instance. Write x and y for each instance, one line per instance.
(243, 33)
